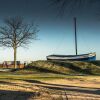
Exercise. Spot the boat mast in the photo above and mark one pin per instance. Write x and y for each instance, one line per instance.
(75, 35)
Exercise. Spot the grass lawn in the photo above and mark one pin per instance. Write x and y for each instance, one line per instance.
(52, 80)
(44, 76)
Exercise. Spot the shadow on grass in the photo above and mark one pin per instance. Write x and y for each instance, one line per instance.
(39, 69)
(97, 62)
(4, 82)
(95, 91)
(15, 95)
(73, 67)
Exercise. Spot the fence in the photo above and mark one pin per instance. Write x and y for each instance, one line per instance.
(10, 64)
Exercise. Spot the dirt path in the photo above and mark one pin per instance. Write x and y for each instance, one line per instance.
(60, 89)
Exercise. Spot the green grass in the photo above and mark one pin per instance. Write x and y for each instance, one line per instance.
(97, 62)
(65, 67)
(48, 70)
(41, 76)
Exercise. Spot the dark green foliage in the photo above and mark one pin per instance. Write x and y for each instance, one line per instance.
(96, 62)
(65, 67)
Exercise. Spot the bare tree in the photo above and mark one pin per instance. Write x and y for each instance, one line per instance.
(64, 5)
(15, 33)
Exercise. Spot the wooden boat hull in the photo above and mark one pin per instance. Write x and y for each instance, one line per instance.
(82, 57)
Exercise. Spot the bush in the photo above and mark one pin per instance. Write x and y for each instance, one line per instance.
(65, 67)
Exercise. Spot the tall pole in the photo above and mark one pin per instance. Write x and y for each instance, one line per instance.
(75, 35)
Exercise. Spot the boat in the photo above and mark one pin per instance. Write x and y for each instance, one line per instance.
(77, 57)
(82, 57)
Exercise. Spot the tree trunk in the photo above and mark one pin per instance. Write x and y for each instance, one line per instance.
(15, 52)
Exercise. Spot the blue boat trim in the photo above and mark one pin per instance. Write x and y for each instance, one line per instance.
(81, 57)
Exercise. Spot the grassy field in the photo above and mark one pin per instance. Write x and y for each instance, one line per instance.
(40, 86)
(65, 67)
(53, 80)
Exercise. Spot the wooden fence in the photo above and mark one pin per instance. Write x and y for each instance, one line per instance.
(10, 64)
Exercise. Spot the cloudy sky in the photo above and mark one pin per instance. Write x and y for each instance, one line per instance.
(56, 35)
